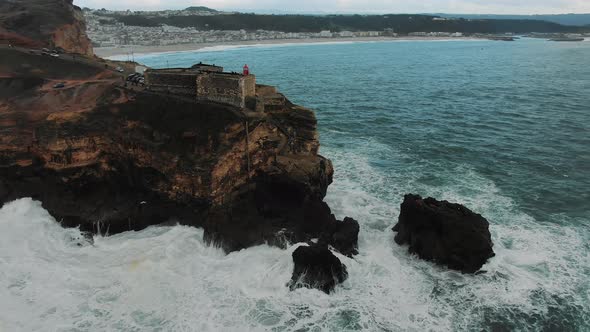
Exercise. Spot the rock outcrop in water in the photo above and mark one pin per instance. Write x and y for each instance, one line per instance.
(445, 233)
(317, 267)
(343, 236)
(44, 23)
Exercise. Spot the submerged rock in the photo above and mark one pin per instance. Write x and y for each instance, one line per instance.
(317, 267)
(445, 233)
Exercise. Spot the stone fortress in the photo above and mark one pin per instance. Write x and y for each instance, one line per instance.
(209, 83)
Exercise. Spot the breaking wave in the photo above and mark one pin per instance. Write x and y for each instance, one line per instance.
(485, 129)
(166, 278)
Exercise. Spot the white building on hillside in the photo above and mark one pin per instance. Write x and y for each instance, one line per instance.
(326, 34)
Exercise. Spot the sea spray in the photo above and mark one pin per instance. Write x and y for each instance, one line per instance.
(499, 127)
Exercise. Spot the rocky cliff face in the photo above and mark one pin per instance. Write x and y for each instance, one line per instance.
(44, 23)
(112, 159)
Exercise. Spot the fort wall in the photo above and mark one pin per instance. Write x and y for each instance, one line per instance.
(269, 99)
(174, 82)
(205, 83)
(226, 88)
(275, 102)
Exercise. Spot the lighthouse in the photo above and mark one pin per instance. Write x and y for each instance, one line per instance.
(246, 70)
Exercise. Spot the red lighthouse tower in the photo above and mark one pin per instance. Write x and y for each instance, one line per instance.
(246, 70)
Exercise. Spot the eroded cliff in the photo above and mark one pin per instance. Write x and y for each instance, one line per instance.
(111, 159)
(44, 23)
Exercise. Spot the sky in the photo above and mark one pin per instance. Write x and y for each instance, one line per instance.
(357, 6)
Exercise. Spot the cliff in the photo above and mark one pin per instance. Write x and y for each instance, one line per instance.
(44, 23)
(110, 159)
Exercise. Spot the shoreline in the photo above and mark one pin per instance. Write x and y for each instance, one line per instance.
(121, 53)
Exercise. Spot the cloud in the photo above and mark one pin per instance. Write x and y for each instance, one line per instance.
(350, 6)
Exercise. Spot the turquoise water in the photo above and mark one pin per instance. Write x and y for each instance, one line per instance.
(516, 113)
(503, 128)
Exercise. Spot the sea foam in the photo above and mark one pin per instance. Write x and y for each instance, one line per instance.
(167, 278)
(494, 126)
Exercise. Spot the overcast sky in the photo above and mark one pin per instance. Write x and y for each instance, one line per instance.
(359, 6)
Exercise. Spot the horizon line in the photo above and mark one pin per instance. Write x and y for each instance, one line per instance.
(284, 12)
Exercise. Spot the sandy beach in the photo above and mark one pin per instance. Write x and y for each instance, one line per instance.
(123, 51)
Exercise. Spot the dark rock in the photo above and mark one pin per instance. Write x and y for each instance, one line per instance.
(445, 233)
(317, 267)
(345, 237)
(122, 204)
(272, 210)
(3, 192)
(278, 211)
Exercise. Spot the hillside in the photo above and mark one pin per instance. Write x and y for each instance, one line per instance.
(563, 19)
(307, 23)
(201, 9)
(44, 23)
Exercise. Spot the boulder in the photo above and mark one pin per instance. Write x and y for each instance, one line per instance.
(317, 267)
(446, 233)
(345, 236)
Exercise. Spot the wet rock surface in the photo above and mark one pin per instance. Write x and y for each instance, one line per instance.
(344, 236)
(446, 233)
(278, 211)
(274, 209)
(317, 267)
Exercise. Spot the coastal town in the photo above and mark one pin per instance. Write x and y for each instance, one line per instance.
(106, 31)
(123, 32)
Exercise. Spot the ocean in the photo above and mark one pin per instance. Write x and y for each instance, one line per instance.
(503, 128)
